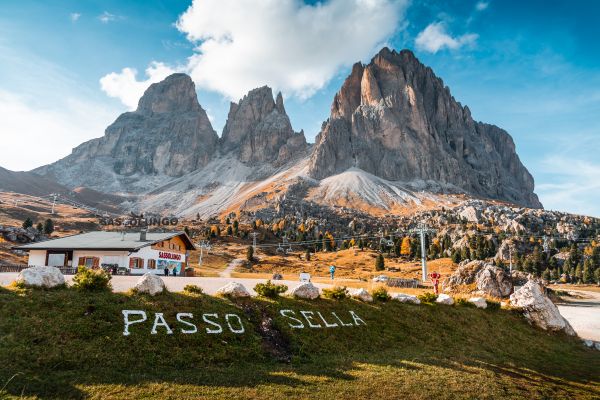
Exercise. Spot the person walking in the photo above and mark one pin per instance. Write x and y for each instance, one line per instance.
(166, 271)
(332, 271)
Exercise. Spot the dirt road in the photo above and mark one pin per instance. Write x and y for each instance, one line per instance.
(582, 310)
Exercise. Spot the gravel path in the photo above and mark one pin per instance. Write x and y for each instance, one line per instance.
(122, 283)
(583, 313)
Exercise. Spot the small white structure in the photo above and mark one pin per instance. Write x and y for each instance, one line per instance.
(136, 253)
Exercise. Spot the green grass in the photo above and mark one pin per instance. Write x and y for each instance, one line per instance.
(69, 344)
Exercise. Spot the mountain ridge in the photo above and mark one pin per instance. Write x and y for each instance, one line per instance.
(393, 119)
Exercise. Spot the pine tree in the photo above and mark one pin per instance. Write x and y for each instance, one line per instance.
(455, 257)
(250, 253)
(48, 226)
(40, 227)
(379, 263)
(587, 273)
(28, 223)
(307, 255)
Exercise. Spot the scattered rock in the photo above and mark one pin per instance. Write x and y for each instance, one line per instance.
(233, 289)
(488, 279)
(277, 277)
(444, 299)
(151, 284)
(305, 291)
(479, 302)
(381, 278)
(361, 294)
(539, 309)
(406, 298)
(588, 342)
(597, 346)
(41, 277)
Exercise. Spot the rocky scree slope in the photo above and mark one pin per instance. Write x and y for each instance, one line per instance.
(395, 119)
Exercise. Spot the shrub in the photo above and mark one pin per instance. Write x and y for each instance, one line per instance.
(461, 301)
(492, 305)
(89, 279)
(336, 293)
(379, 263)
(269, 289)
(193, 289)
(427, 297)
(381, 294)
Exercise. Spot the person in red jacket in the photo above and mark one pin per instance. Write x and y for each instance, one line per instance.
(435, 279)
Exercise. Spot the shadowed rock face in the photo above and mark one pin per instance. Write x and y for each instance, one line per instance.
(258, 130)
(395, 119)
(169, 133)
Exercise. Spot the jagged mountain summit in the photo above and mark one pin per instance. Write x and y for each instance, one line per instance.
(169, 134)
(396, 140)
(258, 130)
(395, 119)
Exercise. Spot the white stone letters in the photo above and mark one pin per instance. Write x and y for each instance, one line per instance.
(298, 324)
(159, 320)
(239, 330)
(311, 319)
(213, 324)
(219, 328)
(127, 321)
(180, 317)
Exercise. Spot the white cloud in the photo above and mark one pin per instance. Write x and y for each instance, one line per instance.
(435, 38)
(40, 135)
(575, 185)
(286, 44)
(125, 86)
(75, 16)
(481, 5)
(107, 17)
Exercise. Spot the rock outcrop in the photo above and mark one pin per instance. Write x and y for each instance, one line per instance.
(233, 290)
(150, 284)
(361, 294)
(406, 298)
(168, 134)
(395, 119)
(258, 130)
(481, 277)
(305, 291)
(539, 309)
(41, 277)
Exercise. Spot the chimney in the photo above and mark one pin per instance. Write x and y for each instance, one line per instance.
(143, 235)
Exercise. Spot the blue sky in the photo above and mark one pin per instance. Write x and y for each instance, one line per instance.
(532, 68)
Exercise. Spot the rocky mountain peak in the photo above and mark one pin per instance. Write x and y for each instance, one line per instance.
(258, 129)
(395, 119)
(176, 93)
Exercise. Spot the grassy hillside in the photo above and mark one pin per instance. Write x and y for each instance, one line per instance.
(68, 344)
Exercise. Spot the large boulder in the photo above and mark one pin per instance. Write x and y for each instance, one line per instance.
(539, 309)
(361, 294)
(480, 277)
(444, 299)
(41, 277)
(406, 298)
(233, 289)
(305, 291)
(151, 284)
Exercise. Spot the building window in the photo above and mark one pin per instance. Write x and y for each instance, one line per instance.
(136, 263)
(151, 264)
(89, 262)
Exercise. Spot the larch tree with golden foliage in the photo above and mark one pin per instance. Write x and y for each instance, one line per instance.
(405, 247)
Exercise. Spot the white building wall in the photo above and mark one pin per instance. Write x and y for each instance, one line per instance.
(37, 258)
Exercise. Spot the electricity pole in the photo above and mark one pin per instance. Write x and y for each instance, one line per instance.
(423, 230)
(254, 235)
(53, 202)
(204, 245)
